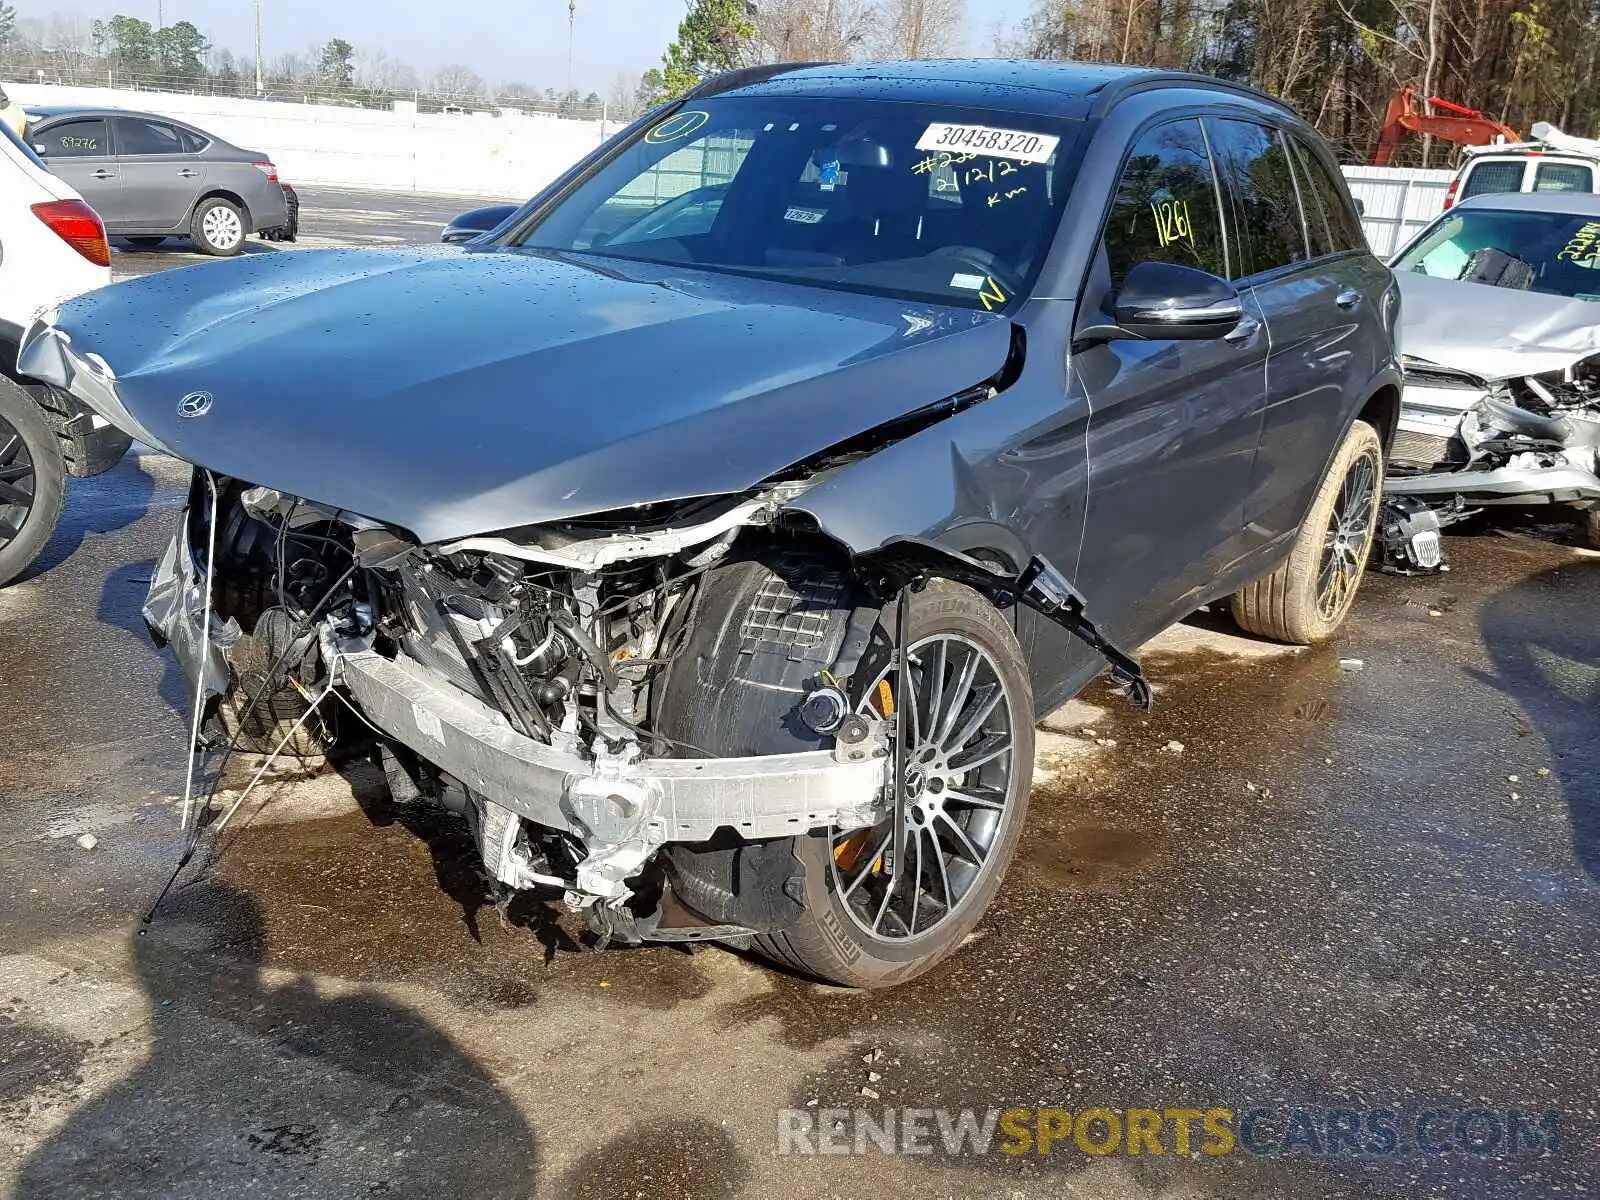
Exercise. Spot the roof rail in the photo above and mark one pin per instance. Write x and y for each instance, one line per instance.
(740, 77)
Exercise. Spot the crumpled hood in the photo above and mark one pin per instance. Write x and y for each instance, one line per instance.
(453, 392)
(1492, 332)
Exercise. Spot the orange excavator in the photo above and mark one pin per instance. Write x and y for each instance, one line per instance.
(1411, 113)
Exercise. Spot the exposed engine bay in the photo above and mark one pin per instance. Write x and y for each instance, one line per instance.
(1466, 442)
(544, 683)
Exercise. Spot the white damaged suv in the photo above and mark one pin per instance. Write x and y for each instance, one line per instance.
(52, 247)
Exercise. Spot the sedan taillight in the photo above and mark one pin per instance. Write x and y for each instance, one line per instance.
(268, 169)
(75, 223)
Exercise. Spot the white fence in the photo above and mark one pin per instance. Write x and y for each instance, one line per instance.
(455, 153)
(1398, 202)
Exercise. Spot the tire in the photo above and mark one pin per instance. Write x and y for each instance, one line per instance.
(1308, 597)
(831, 941)
(32, 481)
(218, 227)
(1589, 527)
(761, 632)
(84, 449)
(145, 243)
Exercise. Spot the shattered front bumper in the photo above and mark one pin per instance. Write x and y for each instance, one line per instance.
(174, 609)
(658, 799)
(621, 806)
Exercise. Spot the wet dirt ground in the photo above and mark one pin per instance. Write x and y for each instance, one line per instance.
(1334, 896)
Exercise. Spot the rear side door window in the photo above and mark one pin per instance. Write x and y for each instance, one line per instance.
(137, 138)
(1166, 207)
(1491, 178)
(1563, 177)
(1327, 197)
(76, 139)
(1253, 161)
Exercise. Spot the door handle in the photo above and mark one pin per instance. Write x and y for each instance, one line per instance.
(102, 173)
(1241, 333)
(1348, 299)
(188, 174)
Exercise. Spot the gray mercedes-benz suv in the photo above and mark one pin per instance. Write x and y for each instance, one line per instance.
(713, 540)
(151, 178)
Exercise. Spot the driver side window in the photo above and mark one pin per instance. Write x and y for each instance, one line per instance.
(1165, 208)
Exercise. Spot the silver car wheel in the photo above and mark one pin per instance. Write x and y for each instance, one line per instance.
(222, 227)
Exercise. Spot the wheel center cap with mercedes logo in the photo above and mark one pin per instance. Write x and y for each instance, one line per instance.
(196, 404)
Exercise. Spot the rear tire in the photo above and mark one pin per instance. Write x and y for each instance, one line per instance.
(32, 481)
(218, 227)
(1308, 597)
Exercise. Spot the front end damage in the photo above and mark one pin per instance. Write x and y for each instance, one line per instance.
(523, 679)
(1465, 443)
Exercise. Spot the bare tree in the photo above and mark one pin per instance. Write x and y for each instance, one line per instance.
(921, 28)
(456, 82)
(814, 30)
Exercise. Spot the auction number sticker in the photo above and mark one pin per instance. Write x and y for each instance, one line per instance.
(981, 139)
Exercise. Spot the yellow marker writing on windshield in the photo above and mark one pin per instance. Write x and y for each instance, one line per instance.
(991, 295)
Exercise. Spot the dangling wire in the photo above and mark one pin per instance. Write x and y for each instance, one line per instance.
(205, 647)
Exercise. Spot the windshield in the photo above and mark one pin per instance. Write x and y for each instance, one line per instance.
(909, 200)
(1557, 254)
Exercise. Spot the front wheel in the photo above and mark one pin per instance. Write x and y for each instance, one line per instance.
(870, 917)
(1307, 598)
(218, 227)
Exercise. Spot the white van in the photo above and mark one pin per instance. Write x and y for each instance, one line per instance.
(1552, 162)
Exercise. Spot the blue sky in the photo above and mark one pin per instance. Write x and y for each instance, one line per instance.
(499, 39)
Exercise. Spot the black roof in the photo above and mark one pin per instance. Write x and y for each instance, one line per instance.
(1025, 85)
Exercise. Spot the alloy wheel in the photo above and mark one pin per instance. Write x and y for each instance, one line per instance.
(16, 483)
(1348, 537)
(959, 766)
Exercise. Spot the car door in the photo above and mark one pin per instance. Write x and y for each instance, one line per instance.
(79, 150)
(1316, 304)
(161, 173)
(1173, 424)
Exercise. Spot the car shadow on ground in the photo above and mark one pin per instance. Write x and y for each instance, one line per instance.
(121, 605)
(259, 1085)
(1540, 635)
(98, 505)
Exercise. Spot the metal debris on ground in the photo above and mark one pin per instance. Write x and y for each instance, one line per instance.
(1174, 747)
(87, 841)
(1351, 664)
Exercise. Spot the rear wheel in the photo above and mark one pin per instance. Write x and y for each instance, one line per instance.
(32, 481)
(218, 227)
(1307, 598)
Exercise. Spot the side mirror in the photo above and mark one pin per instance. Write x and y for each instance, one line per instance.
(41, 149)
(468, 225)
(1361, 205)
(1167, 302)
